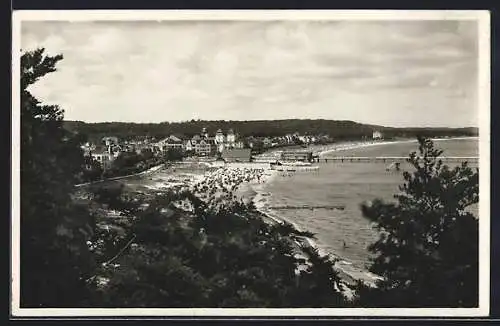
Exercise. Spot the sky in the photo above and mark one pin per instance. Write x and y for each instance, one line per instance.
(391, 73)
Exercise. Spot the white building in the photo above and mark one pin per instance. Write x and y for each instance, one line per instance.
(188, 145)
(104, 158)
(219, 137)
(203, 148)
(228, 141)
(377, 135)
(220, 140)
(231, 137)
(171, 142)
(200, 144)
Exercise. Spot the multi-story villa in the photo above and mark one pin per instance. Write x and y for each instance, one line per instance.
(203, 147)
(203, 144)
(200, 144)
(229, 141)
(171, 142)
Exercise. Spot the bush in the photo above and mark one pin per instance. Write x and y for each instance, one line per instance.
(227, 258)
(428, 251)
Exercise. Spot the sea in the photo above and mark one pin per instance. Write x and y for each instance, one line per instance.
(327, 201)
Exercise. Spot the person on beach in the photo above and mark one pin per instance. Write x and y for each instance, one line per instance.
(225, 181)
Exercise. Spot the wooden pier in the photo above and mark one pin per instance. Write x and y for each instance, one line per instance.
(388, 159)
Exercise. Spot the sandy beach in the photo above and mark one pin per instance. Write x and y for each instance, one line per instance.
(354, 145)
(247, 185)
(220, 186)
(322, 150)
(229, 183)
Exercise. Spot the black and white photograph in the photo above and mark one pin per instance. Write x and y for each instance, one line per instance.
(250, 163)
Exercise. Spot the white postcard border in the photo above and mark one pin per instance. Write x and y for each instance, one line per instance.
(482, 16)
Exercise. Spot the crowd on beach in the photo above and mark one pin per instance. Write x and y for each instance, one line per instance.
(223, 182)
(218, 188)
(219, 185)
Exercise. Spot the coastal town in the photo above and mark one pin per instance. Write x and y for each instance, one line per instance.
(277, 164)
(223, 146)
(224, 169)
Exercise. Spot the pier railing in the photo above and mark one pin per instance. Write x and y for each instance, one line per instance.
(389, 159)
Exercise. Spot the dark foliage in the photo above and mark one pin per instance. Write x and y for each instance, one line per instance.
(54, 255)
(174, 155)
(155, 254)
(160, 256)
(92, 171)
(428, 247)
(338, 130)
(128, 163)
(228, 258)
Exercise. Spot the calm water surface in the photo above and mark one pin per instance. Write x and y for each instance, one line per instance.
(345, 233)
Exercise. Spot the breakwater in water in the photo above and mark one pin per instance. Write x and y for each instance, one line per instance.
(327, 202)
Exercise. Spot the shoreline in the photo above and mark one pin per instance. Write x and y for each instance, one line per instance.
(221, 185)
(252, 190)
(347, 274)
(321, 150)
(346, 277)
(256, 193)
(354, 145)
(248, 183)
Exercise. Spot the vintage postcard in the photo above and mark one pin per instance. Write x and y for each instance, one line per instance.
(250, 163)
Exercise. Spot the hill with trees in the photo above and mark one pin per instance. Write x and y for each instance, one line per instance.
(337, 129)
(161, 256)
(74, 255)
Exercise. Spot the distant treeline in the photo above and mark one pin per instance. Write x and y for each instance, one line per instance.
(337, 129)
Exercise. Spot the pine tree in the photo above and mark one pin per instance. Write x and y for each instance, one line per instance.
(54, 256)
(428, 250)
